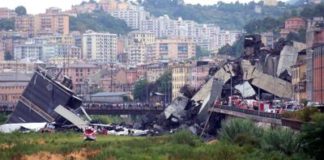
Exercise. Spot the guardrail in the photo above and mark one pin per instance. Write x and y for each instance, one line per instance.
(122, 107)
(251, 112)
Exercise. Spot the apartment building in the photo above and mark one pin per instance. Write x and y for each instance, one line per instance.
(12, 85)
(174, 49)
(53, 21)
(99, 47)
(180, 77)
(133, 16)
(138, 42)
(6, 13)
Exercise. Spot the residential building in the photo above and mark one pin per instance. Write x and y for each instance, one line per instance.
(318, 74)
(267, 39)
(79, 74)
(51, 22)
(2, 55)
(132, 16)
(314, 37)
(293, 24)
(19, 66)
(174, 49)
(180, 77)
(138, 42)
(9, 39)
(6, 13)
(25, 24)
(299, 81)
(270, 2)
(83, 8)
(99, 47)
(199, 74)
(12, 85)
(28, 51)
(155, 71)
(112, 5)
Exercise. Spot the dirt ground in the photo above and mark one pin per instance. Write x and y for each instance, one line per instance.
(83, 154)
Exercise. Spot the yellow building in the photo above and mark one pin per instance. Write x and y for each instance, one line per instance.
(155, 71)
(270, 2)
(174, 49)
(180, 77)
(299, 81)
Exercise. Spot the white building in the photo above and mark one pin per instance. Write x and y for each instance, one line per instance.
(28, 51)
(132, 16)
(138, 41)
(208, 36)
(99, 47)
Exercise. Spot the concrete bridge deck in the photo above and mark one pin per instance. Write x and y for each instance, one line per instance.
(254, 115)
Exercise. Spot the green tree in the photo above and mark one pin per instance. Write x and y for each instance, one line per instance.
(200, 52)
(299, 36)
(235, 50)
(8, 56)
(284, 140)
(164, 83)
(240, 131)
(99, 22)
(312, 137)
(7, 24)
(141, 90)
(21, 10)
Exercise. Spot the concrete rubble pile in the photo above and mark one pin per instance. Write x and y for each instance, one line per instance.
(262, 74)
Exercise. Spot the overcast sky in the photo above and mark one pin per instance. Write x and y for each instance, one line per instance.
(39, 6)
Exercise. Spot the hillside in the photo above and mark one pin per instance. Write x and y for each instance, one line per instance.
(226, 15)
(100, 22)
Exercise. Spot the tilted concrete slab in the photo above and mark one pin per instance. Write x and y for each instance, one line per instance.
(273, 85)
(288, 58)
(212, 95)
(177, 107)
(245, 89)
(70, 116)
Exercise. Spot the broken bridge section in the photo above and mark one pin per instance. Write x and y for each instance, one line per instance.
(272, 118)
(41, 96)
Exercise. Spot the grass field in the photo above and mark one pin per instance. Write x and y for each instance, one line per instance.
(182, 145)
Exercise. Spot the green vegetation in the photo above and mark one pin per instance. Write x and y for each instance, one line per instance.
(312, 136)
(99, 22)
(21, 10)
(140, 91)
(143, 89)
(107, 119)
(7, 24)
(181, 145)
(233, 50)
(311, 11)
(3, 118)
(263, 25)
(200, 52)
(8, 56)
(227, 15)
(163, 83)
(281, 142)
(305, 115)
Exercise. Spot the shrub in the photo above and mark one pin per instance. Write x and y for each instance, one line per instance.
(185, 137)
(280, 139)
(312, 138)
(240, 131)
